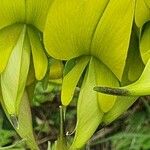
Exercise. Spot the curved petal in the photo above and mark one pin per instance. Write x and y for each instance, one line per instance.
(89, 115)
(70, 26)
(112, 36)
(142, 12)
(145, 43)
(31, 74)
(39, 57)
(133, 71)
(8, 39)
(11, 11)
(105, 77)
(70, 80)
(36, 12)
(13, 79)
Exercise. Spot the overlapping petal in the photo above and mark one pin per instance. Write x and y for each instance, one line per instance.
(82, 28)
(142, 12)
(112, 36)
(36, 12)
(11, 12)
(24, 11)
(145, 43)
(14, 77)
(70, 33)
(89, 115)
(8, 38)
(142, 85)
(105, 77)
(39, 57)
(71, 79)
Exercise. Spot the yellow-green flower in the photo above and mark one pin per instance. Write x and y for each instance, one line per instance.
(93, 36)
(21, 26)
(142, 86)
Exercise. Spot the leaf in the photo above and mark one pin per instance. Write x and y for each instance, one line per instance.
(112, 36)
(142, 12)
(70, 26)
(145, 43)
(8, 38)
(36, 12)
(39, 57)
(105, 77)
(89, 115)
(71, 79)
(13, 79)
(11, 12)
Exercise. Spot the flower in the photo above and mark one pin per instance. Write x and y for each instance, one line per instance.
(142, 86)
(93, 36)
(21, 26)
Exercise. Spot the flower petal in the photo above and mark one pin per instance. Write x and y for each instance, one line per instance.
(39, 57)
(145, 43)
(70, 80)
(70, 26)
(142, 12)
(8, 39)
(133, 71)
(89, 115)
(111, 40)
(11, 12)
(105, 77)
(13, 79)
(36, 12)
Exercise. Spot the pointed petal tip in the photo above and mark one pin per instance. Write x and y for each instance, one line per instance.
(64, 103)
(112, 91)
(14, 120)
